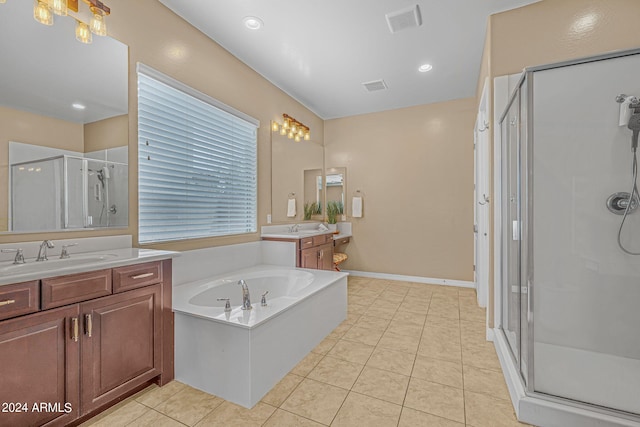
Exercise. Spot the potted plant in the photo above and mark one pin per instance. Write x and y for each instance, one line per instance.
(308, 210)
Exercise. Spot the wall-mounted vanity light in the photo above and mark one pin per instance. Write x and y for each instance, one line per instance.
(292, 128)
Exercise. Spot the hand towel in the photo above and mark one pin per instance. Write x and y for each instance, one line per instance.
(291, 208)
(356, 207)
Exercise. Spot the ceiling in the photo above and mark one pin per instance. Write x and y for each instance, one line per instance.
(45, 69)
(321, 51)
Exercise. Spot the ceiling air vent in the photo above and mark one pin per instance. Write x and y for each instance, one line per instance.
(404, 19)
(375, 85)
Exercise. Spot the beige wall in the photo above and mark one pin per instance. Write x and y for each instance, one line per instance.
(29, 128)
(162, 40)
(552, 31)
(107, 133)
(414, 167)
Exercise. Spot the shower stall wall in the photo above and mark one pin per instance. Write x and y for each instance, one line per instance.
(568, 317)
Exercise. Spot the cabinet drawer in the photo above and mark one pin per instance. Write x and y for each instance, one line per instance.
(19, 299)
(322, 239)
(64, 290)
(136, 276)
(307, 242)
(342, 241)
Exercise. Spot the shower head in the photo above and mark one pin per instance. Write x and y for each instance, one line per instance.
(634, 125)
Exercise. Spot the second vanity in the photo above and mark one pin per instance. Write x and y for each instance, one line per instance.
(77, 336)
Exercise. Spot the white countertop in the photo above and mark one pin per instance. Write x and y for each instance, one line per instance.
(78, 263)
(304, 230)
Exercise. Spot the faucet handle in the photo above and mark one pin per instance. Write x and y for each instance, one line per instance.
(227, 306)
(64, 254)
(19, 259)
(263, 301)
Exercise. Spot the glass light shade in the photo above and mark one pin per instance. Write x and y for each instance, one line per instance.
(283, 131)
(297, 138)
(286, 124)
(59, 7)
(97, 24)
(294, 128)
(290, 136)
(300, 132)
(42, 13)
(307, 136)
(275, 127)
(3, 1)
(83, 33)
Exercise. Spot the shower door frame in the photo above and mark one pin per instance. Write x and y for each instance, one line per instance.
(526, 249)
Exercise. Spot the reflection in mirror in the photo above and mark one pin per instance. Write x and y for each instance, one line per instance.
(313, 194)
(289, 163)
(336, 186)
(49, 72)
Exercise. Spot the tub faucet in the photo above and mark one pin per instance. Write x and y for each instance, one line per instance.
(246, 298)
(42, 253)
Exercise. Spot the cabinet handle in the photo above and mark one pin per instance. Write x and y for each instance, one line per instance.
(74, 329)
(321, 254)
(142, 276)
(88, 324)
(7, 302)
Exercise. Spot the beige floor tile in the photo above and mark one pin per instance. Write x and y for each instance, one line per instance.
(414, 306)
(409, 318)
(369, 291)
(481, 356)
(441, 333)
(315, 400)
(473, 314)
(155, 419)
(351, 351)
(385, 305)
(230, 414)
(402, 328)
(189, 405)
(412, 418)
(486, 381)
(472, 332)
(438, 371)
(307, 364)
(382, 312)
(354, 307)
(393, 295)
(351, 319)
(445, 298)
(282, 418)
(467, 301)
(359, 410)
(467, 292)
(375, 323)
(121, 415)
(282, 390)
(382, 384)
(392, 360)
(433, 320)
(399, 342)
(362, 300)
(157, 395)
(337, 372)
(437, 399)
(446, 311)
(485, 411)
(363, 335)
(438, 349)
(325, 345)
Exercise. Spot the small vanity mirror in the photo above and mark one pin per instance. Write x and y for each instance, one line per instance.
(63, 126)
(313, 194)
(336, 184)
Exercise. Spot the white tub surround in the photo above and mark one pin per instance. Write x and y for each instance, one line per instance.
(240, 355)
(90, 254)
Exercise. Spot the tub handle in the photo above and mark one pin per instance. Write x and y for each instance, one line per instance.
(263, 301)
(227, 306)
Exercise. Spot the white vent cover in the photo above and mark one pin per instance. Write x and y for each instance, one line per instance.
(404, 19)
(375, 85)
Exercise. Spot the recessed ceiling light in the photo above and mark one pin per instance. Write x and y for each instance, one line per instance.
(253, 23)
(424, 68)
(78, 106)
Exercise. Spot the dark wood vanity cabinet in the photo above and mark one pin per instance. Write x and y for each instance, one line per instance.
(312, 252)
(86, 355)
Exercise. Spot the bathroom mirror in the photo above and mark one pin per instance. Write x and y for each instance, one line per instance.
(335, 187)
(59, 97)
(290, 163)
(313, 194)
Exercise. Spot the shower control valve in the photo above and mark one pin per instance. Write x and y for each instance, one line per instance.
(263, 301)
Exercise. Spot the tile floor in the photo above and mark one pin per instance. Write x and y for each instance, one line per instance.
(409, 354)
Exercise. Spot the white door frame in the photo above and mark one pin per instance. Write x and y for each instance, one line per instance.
(482, 167)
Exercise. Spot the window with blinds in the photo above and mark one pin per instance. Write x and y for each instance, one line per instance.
(197, 163)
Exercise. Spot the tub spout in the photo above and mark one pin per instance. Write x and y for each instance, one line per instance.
(246, 298)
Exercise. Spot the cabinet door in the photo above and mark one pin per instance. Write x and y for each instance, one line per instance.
(121, 344)
(325, 257)
(39, 360)
(309, 258)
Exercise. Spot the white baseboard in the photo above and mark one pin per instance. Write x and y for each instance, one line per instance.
(417, 279)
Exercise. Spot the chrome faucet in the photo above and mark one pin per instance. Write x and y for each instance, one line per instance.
(19, 259)
(294, 228)
(42, 253)
(246, 298)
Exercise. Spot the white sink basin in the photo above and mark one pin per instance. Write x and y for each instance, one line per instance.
(31, 266)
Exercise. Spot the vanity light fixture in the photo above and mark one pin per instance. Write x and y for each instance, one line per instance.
(44, 10)
(292, 128)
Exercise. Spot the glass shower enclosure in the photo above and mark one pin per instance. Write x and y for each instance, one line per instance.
(570, 235)
(68, 192)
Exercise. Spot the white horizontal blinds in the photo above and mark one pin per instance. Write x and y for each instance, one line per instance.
(197, 165)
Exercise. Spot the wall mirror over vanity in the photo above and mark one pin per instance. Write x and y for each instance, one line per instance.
(63, 126)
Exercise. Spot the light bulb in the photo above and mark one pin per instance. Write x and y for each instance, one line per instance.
(290, 136)
(283, 131)
(275, 127)
(297, 138)
(300, 132)
(294, 128)
(97, 24)
(83, 33)
(286, 124)
(42, 13)
(3, 1)
(307, 136)
(59, 7)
